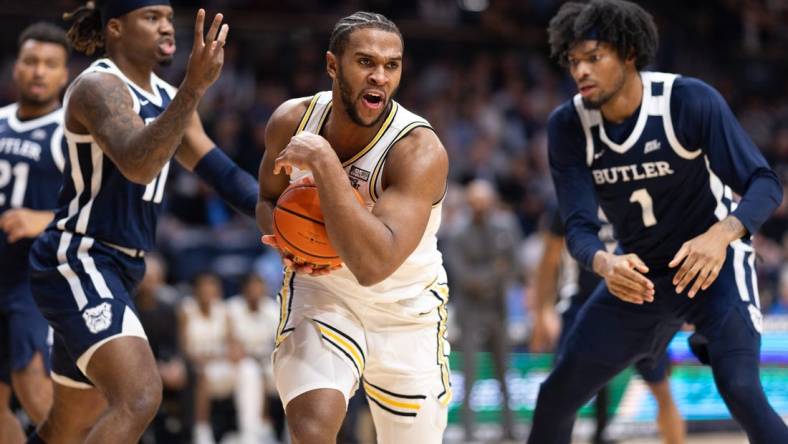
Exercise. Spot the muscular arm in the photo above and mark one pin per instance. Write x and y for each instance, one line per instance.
(278, 131)
(379, 242)
(101, 105)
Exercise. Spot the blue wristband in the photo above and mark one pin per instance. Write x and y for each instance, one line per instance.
(237, 187)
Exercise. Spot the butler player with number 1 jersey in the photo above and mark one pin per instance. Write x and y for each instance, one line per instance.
(662, 155)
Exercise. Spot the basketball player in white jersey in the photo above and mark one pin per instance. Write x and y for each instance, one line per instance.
(380, 319)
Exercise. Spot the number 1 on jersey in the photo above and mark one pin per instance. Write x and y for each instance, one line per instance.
(642, 197)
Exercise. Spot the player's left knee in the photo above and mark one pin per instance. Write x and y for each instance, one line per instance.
(141, 403)
(738, 388)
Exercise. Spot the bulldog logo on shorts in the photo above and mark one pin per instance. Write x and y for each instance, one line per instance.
(98, 318)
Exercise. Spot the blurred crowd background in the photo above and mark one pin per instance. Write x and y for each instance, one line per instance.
(479, 71)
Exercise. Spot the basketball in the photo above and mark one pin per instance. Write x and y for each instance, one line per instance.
(299, 228)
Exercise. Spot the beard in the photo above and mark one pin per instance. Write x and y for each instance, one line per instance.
(605, 97)
(35, 101)
(165, 62)
(349, 104)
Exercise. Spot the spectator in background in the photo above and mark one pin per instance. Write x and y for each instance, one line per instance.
(253, 319)
(204, 330)
(222, 367)
(481, 257)
(156, 308)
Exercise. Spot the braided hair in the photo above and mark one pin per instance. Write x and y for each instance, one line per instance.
(86, 33)
(624, 25)
(359, 20)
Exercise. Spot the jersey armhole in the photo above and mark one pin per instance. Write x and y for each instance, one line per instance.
(667, 121)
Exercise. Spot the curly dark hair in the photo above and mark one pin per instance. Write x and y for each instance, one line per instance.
(359, 20)
(86, 33)
(624, 25)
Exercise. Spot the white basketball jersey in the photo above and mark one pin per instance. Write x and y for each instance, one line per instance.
(206, 336)
(365, 170)
(255, 330)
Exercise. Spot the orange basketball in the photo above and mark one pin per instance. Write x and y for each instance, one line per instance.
(299, 228)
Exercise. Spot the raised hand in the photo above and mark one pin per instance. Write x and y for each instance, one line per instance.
(207, 57)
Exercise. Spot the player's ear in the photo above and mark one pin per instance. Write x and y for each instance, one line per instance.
(15, 74)
(331, 64)
(631, 56)
(114, 27)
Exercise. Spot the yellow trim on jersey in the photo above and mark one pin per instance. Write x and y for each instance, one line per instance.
(379, 166)
(381, 131)
(388, 401)
(284, 303)
(307, 114)
(442, 292)
(323, 118)
(432, 282)
(344, 344)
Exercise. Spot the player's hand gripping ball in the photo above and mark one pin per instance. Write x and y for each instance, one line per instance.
(299, 228)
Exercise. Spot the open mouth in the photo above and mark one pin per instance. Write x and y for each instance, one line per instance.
(167, 47)
(373, 99)
(586, 89)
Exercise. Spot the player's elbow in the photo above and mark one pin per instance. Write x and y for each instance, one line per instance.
(368, 274)
(140, 176)
(369, 278)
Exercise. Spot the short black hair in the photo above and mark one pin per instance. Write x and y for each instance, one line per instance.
(44, 32)
(359, 20)
(624, 25)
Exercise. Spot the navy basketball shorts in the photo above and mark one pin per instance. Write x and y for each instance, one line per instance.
(614, 332)
(84, 288)
(23, 330)
(652, 369)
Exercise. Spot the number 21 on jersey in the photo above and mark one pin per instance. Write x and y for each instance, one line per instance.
(17, 190)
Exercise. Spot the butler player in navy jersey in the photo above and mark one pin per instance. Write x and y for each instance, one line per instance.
(123, 125)
(662, 155)
(31, 165)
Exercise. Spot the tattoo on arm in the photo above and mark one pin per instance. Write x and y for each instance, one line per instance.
(104, 106)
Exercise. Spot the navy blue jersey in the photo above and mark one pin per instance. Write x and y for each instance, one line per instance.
(31, 173)
(663, 176)
(97, 200)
